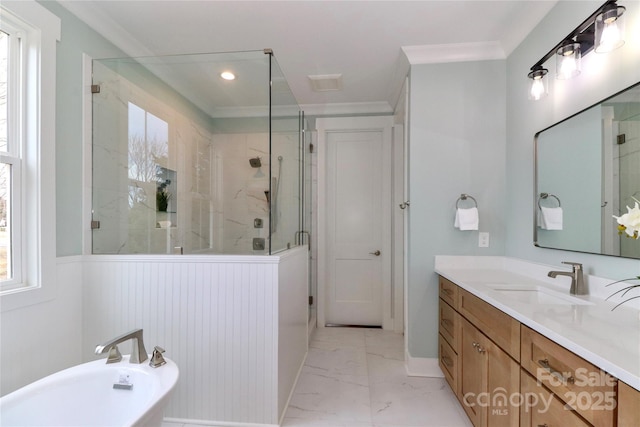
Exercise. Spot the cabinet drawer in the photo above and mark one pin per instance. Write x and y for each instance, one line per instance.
(448, 360)
(542, 408)
(498, 326)
(449, 325)
(628, 406)
(448, 292)
(583, 386)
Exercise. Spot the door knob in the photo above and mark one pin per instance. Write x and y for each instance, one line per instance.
(376, 253)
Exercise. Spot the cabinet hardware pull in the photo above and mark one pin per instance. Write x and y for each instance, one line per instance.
(543, 425)
(475, 344)
(545, 364)
(481, 349)
(447, 361)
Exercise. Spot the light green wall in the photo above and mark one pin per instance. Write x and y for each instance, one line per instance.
(602, 76)
(471, 130)
(457, 145)
(77, 38)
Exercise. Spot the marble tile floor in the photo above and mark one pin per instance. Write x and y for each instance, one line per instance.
(355, 377)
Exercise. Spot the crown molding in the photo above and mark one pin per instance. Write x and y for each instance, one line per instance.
(347, 108)
(106, 27)
(454, 52)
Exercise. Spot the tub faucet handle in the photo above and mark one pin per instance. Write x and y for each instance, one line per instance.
(156, 357)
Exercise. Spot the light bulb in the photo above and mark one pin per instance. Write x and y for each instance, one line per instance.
(228, 75)
(538, 83)
(609, 34)
(568, 60)
(537, 89)
(568, 67)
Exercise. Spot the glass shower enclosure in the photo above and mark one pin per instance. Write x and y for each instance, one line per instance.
(196, 154)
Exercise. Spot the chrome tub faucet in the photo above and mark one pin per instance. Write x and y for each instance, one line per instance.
(577, 279)
(138, 353)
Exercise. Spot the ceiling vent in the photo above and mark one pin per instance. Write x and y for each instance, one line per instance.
(326, 82)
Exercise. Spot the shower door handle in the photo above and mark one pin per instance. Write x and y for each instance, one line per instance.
(376, 253)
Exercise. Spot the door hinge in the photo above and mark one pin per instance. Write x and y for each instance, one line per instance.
(95, 225)
(621, 139)
(311, 148)
(310, 299)
(95, 88)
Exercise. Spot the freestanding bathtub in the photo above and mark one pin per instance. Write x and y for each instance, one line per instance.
(93, 394)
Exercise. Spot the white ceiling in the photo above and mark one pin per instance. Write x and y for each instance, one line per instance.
(362, 40)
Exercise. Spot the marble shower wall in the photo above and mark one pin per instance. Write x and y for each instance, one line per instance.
(244, 200)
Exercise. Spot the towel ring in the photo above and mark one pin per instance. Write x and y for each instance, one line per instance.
(464, 197)
(546, 196)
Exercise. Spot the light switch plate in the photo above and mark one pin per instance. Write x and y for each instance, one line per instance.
(483, 240)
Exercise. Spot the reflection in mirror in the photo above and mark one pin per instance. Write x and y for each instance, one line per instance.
(587, 171)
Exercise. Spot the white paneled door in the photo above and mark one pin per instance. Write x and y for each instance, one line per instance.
(357, 231)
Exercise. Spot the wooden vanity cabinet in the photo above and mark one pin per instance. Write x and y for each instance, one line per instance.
(488, 377)
(542, 408)
(628, 406)
(487, 357)
(501, 328)
(448, 292)
(580, 384)
(481, 373)
(449, 333)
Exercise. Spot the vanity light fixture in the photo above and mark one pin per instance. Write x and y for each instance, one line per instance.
(609, 28)
(568, 60)
(539, 86)
(228, 75)
(602, 31)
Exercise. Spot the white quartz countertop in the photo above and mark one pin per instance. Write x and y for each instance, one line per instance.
(608, 339)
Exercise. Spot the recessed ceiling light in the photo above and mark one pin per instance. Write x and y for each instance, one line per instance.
(228, 75)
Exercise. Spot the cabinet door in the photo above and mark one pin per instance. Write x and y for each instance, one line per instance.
(503, 385)
(448, 291)
(489, 378)
(628, 406)
(449, 324)
(474, 370)
(542, 408)
(448, 361)
(580, 384)
(501, 328)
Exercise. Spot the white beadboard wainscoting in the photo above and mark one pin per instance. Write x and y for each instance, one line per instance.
(235, 325)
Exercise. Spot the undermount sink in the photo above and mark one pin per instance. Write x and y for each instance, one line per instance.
(536, 295)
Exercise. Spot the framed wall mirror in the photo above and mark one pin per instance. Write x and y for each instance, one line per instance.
(587, 169)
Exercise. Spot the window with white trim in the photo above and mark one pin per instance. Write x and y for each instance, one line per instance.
(12, 68)
(28, 39)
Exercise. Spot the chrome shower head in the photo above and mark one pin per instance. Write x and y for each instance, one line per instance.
(255, 162)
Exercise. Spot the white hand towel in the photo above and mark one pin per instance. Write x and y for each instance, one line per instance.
(466, 219)
(551, 218)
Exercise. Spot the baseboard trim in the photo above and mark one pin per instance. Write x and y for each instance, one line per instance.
(422, 367)
(181, 421)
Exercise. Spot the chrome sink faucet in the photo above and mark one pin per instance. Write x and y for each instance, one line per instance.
(138, 353)
(577, 279)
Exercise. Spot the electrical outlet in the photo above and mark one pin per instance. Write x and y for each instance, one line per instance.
(483, 240)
